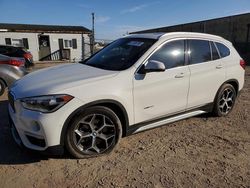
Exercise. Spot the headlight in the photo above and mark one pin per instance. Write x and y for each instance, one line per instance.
(46, 104)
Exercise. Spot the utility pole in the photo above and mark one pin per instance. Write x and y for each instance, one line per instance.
(93, 34)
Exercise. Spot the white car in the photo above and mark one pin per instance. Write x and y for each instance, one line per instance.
(136, 83)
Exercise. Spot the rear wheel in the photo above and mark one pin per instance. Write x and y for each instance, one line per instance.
(94, 132)
(2, 87)
(225, 100)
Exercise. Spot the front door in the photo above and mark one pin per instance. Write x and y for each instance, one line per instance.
(158, 94)
(44, 46)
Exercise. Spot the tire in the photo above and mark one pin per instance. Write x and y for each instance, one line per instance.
(95, 132)
(2, 87)
(224, 101)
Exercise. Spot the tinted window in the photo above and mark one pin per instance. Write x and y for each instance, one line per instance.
(215, 54)
(121, 54)
(3, 50)
(199, 51)
(171, 54)
(224, 51)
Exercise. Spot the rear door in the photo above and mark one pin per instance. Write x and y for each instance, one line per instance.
(207, 72)
(159, 94)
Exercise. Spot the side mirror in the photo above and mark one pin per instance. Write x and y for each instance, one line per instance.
(152, 66)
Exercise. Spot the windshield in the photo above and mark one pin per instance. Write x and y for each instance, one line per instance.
(121, 54)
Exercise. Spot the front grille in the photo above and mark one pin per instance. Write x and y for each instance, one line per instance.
(11, 100)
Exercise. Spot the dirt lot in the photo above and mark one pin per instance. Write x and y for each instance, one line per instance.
(199, 152)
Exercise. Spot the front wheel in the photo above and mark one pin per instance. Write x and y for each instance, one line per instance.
(225, 100)
(94, 132)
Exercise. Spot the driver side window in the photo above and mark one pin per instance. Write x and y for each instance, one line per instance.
(171, 54)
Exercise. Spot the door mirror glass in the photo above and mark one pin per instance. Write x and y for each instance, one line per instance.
(152, 66)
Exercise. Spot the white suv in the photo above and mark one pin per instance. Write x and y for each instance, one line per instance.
(136, 83)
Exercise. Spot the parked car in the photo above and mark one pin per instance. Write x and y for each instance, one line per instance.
(13, 51)
(11, 69)
(136, 83)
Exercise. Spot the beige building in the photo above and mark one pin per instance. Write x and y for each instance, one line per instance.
(48, 42)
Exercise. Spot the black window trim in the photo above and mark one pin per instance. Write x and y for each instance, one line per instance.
(216, 50)
(211, 51)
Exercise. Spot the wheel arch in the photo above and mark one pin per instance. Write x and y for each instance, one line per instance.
(232, 82)
(4, 82)
(115, 106)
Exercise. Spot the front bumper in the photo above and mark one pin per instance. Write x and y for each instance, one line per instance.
(36, 130)
(52, 150)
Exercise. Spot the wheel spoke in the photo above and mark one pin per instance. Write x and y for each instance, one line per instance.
(229, 93)
(100, 129)
(79, 142)
(92, 122)
(83, 121)
(96, 149)
(222, 105)
(109, 126)
(79, 133)
(105, 137)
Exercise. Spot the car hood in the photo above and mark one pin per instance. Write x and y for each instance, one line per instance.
(53, 80)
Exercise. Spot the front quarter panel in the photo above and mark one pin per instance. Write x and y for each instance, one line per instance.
(118, 88)
(11, 73)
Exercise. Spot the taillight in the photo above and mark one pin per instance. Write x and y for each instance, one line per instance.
(28, 55)
(17, 62)
(14, 62)
(242, 63)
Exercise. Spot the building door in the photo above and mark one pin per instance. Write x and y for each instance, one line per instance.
(44, 46)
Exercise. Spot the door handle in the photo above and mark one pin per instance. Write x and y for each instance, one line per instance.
(181, 75)
(219, 66)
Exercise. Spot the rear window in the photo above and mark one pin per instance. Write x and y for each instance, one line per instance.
(224, 51)
(199, 51)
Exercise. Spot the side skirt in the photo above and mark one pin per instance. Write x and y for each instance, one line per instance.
(156, 123)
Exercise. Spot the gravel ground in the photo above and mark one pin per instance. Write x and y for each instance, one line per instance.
(198, 152)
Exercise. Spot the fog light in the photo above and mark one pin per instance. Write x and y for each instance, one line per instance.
(36, 127)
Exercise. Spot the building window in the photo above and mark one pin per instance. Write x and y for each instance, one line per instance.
(17, 42)
(68, 43)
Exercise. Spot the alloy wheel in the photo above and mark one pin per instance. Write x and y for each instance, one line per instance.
(226, 101)
(94, 134)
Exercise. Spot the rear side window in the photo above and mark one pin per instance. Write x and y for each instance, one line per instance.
(171, 54)
(224, 51)
(199, 51)
(215, 54)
